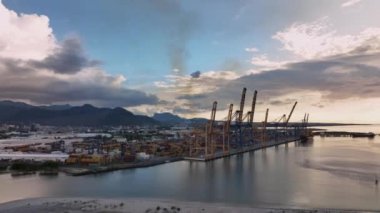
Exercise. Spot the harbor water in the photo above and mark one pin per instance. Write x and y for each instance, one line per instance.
(326, 173)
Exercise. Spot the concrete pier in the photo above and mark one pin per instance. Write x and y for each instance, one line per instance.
(256, 146)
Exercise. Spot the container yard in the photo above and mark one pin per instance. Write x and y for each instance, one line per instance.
(130, 147)
(238, 133)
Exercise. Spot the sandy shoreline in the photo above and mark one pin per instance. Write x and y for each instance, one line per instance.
(76, 205)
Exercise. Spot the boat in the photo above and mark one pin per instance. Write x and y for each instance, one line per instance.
(363, 135)
(22, 173)
(49, 173)
(305, 139)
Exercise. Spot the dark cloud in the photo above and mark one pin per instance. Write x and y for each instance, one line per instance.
(181, 25)
(23, 80)
(18, 67)
(336, 78)
(190, 97)
(192, 108)
(282, 102)
(67, 59)
(182, 110)
(319, 105)
(232, 64)
(196, 74)
(49, 89)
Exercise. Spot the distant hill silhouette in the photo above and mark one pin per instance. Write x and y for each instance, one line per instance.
(169, 118)
(88, 115)
(66, 115)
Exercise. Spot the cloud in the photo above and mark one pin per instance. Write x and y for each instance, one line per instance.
(282, 102)
(196, 74)
(263, 63)
(67, 58)
(182, 90)
(326, 68)
(335, 78)
(22, 82)
(251, 49)
(315, 40)
(350, 3)
(206, 81)
(25, 36)
(181, 25)
(35, 68)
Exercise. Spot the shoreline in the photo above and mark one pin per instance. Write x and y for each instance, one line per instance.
(79, 171)
(65, 204)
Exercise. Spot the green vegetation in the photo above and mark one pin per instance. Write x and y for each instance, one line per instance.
(3, 167)
(24, 166)
(34, 166)
(133, 136)
(48, 165)
(4, 136)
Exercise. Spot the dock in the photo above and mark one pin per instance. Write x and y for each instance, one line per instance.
(345, 134)
(238, 133)
(78, 171)
(242, 150)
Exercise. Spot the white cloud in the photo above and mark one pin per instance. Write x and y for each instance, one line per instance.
(185, 85)
(350, 3)
(263, 63)
(251, 49)
(25, 36)
(341, 80)
(176, 89)
(35, 68)
(316, 40)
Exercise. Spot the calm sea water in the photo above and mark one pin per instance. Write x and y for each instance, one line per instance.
(328, 173)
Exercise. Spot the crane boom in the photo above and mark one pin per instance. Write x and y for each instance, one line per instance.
(226, 134)
(291, 112)
(242, 105)
(209, 130)
(229, 117)
(253, 107)
(266, 118)
(265, 126)
(212, 119)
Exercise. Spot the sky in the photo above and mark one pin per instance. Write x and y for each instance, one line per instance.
(180, 56)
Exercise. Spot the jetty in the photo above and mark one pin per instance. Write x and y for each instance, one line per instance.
(344, 134)
(238, 133)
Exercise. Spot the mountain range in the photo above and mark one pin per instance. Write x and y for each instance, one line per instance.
(86, 115)
(169, 118)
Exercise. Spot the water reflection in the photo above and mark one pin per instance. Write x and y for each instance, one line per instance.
(318, 174)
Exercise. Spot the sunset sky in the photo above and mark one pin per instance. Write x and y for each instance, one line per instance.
(179, 56)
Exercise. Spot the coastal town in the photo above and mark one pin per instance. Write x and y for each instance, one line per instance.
(80, 150)
(77, 150)
(172, 106)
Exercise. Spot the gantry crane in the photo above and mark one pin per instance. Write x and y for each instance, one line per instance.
(306, 123)
(241, 111)
(210, 146)
(216, 138)
(290, 114)
(252, 113)
(264, 130)
(239, 119)
(287, 120)
(251, 117)
(201, 139)
(227, 127)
